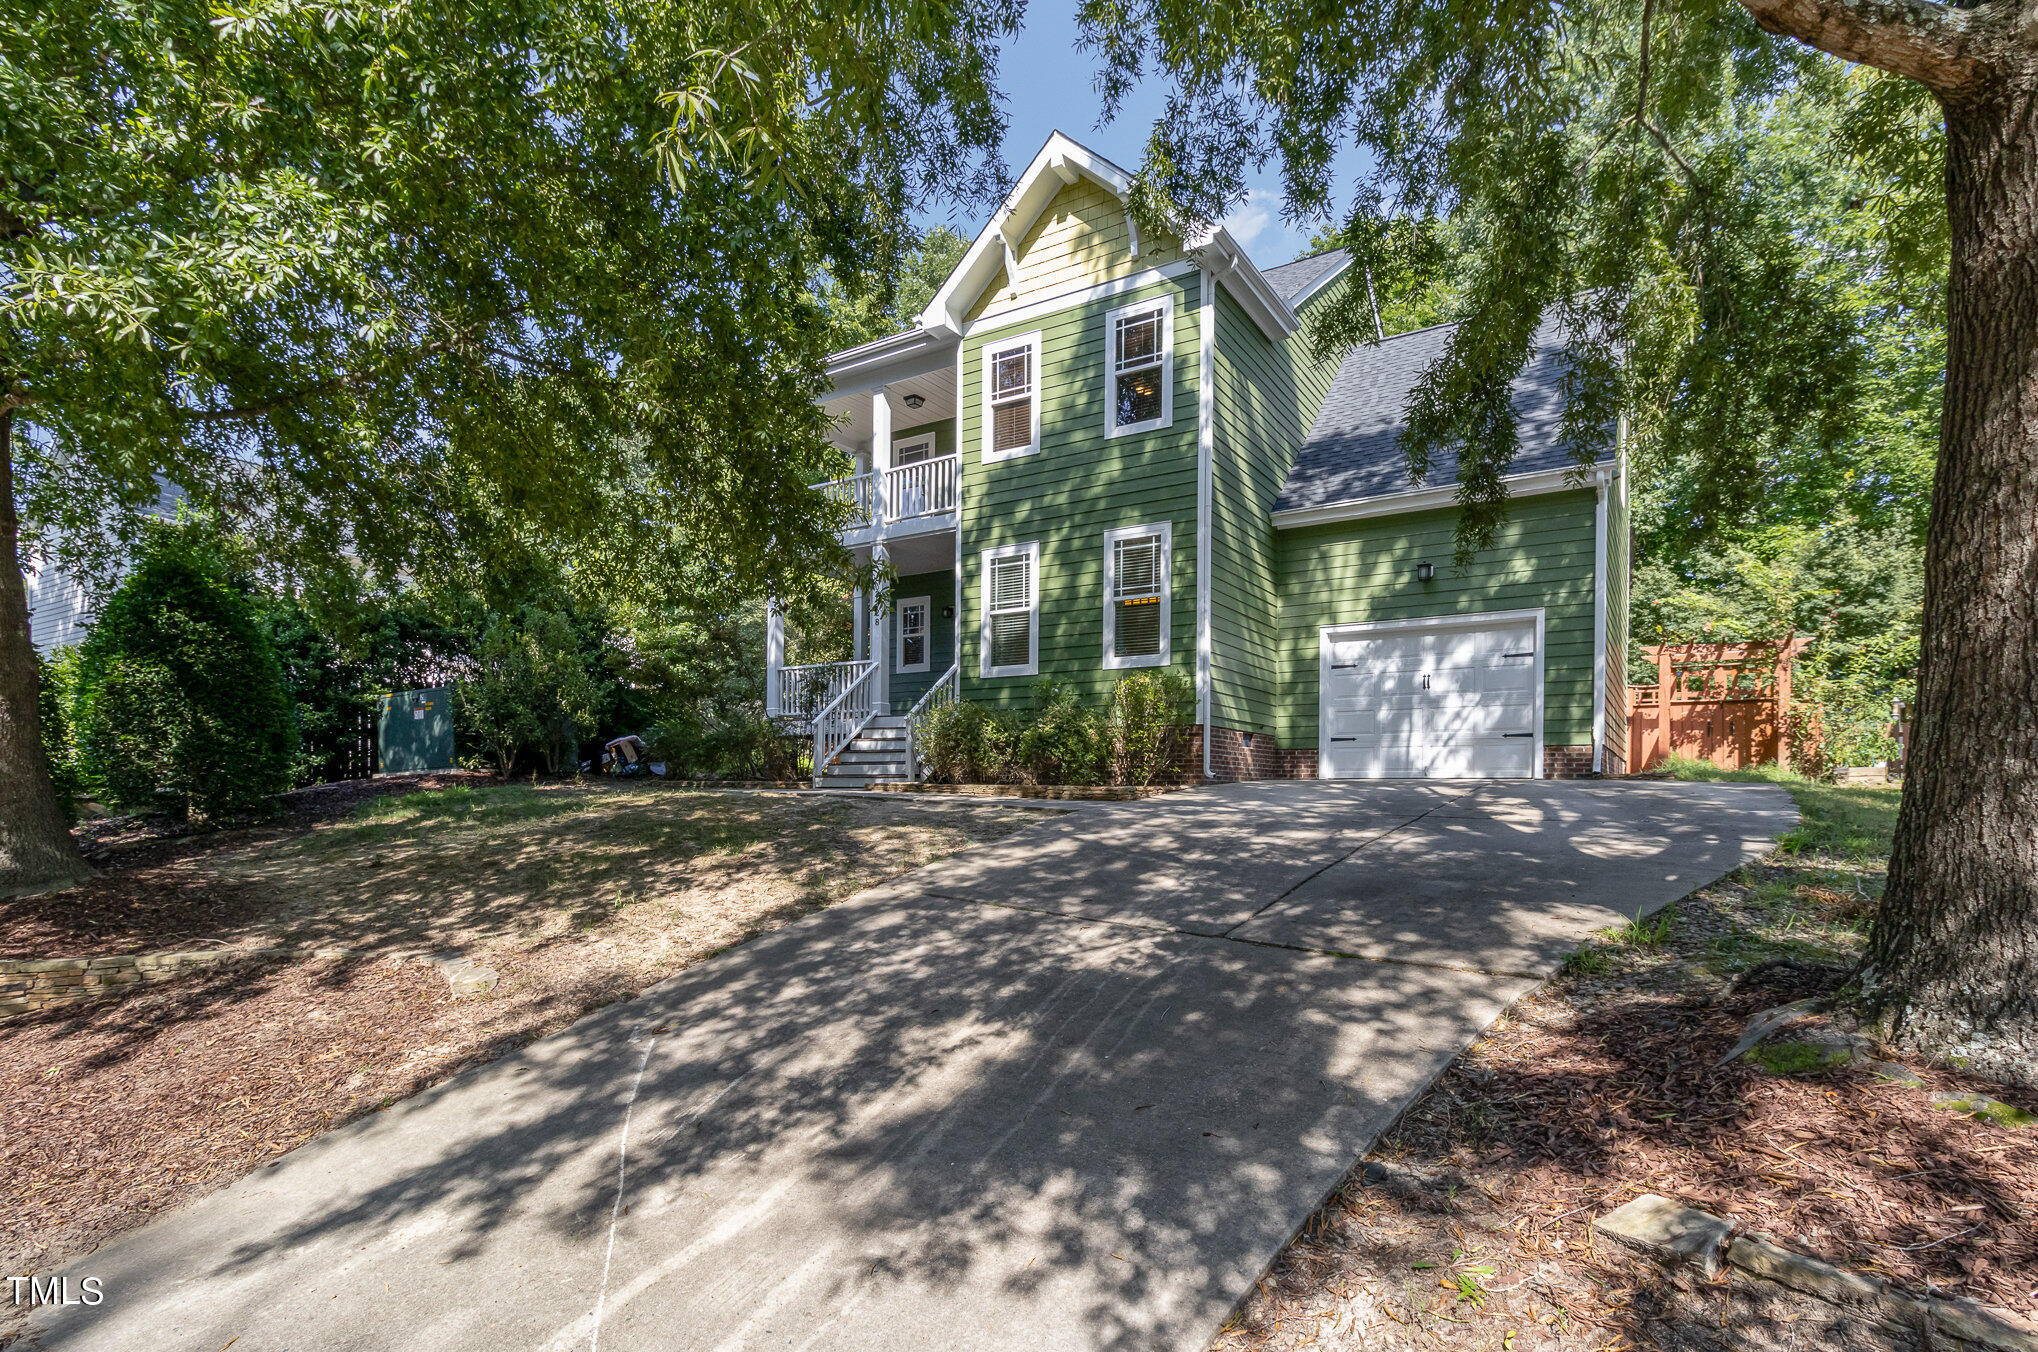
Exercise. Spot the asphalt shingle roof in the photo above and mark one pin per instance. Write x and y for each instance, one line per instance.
(1291, 279)
(1353, 450)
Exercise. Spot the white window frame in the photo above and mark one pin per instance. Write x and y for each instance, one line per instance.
(917, 439)
(1166, 530)
(1031, 551)
(899, 663)
(986, 353)
(1166, 306)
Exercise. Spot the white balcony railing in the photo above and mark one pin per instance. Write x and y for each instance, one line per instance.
(839, 720)
(924, 488)
(855, 491)
(939, 696)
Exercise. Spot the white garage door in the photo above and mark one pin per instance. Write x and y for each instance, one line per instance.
(1432, 699)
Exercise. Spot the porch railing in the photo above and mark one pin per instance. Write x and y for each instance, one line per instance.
(855, 491)
(939, 696)
(803, 691)
(838, 722)
(924, 488)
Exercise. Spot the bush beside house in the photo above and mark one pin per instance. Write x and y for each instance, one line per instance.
(181, 703)
(1137, 739)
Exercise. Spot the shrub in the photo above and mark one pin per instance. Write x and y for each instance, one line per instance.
(965, 743)
(180, 700)
(531, 691)
(1063, 741)
(55, 693)
(1150, 720)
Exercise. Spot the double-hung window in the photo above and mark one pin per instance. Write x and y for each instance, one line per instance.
(1012, 397)
(912, 655)
(1011, 625)
(1139, 389)
(1137, 562)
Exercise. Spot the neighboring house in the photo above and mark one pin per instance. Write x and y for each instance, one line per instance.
(1095, 453)
(60, 608)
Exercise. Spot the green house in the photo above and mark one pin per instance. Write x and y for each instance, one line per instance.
(1096, 452)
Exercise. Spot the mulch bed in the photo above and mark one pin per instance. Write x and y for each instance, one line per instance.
(1591, 1093)
(147, 897)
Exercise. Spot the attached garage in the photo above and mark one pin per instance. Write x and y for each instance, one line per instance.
(1436, 698)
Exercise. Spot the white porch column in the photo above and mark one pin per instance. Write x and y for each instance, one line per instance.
(860, 622)
(880, 453)
(881, 637)
(774, 654)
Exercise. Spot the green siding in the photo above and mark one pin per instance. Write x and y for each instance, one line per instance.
(1365, 570)
(944, 434)
(939, 589)
(1267, 395)
(1077, 486)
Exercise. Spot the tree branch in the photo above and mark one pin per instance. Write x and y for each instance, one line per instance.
(1947, 50)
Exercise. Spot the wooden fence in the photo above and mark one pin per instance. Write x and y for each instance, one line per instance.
(1720, 702)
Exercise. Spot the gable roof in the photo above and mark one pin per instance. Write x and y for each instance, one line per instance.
(1061, 161)
(1297, 281)
(1353, 450)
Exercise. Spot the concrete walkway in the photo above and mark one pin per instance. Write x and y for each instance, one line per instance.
(1069, 1091)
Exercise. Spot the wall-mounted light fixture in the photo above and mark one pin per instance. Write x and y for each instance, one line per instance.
(1424, 572)
(948, 612)
(915, 401)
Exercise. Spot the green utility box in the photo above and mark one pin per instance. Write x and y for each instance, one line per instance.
(415, 732)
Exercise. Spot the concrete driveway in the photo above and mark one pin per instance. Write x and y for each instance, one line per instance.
(1069, 1091)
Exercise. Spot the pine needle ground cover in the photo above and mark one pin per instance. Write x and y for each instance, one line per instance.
(1470, 1227)
(577, 895)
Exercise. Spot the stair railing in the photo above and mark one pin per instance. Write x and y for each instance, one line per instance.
(939, 696)
(838, 722)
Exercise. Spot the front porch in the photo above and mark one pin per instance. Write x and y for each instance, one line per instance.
(895, 409)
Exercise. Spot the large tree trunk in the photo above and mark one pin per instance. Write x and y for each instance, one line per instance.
(35, 845)
(1955, 950)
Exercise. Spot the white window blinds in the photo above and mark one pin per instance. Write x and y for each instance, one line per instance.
(1012, 399)
(1138, 584)
(1011, 595)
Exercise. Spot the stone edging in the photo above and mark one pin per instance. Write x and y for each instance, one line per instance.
(1109, 793)
(38, 983)
(1677, 1234)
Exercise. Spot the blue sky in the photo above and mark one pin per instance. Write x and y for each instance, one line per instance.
(1049, 83)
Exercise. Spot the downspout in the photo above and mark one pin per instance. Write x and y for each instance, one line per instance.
(1206, 446)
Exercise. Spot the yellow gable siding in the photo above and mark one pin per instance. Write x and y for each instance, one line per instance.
(1078, 242)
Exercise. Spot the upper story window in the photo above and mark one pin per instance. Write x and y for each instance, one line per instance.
(1139, 393)
(1012, 397)
(1011, 627)
(1137, 566)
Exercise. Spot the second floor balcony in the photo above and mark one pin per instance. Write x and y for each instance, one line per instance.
(919, 494)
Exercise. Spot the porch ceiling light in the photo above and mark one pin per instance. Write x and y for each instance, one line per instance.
(1425, 571)
(914, 401)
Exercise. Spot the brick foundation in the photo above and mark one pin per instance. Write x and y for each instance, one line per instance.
(1567, 762)
(1614, 760)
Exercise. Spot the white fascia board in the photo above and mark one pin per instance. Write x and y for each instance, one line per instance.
(1424, 499)
(866, 367)
(1059, 162)
(1220, 255)
(1330, 275)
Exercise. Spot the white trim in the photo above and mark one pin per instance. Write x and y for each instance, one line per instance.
(1301, 298)
(956, 622)
(1423, 499)
(1599, 631)
(1067, 300)
(899, 664)
(927, 439)
(880, 350)
(1206, 451)
(1165, 303)
(1000, 346)
(1166, 530)
(1219, 253)
(1480, 620)
(1031, 550)
(1058, 163)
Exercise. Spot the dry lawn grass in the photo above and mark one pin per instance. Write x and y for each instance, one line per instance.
(578, 895)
